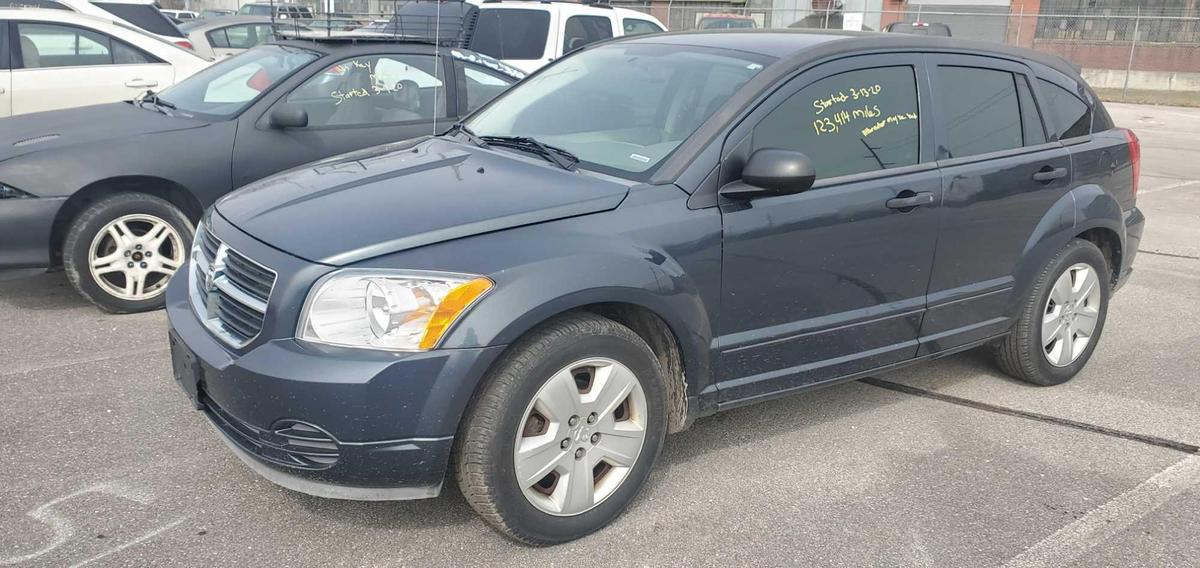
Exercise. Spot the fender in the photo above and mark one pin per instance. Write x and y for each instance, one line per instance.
(1096, 208)
(534, 293)
(1055, 229)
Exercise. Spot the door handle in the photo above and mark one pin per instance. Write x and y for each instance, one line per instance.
(908, 199)
(1049, 174)
(141, 83)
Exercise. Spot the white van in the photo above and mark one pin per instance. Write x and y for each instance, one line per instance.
(528, 34)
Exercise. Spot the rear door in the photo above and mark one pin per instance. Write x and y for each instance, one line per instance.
(352, 103)
(60, 66)
(832, 281)
(1001, 174)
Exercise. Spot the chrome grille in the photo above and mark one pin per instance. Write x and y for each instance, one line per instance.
(229, 291)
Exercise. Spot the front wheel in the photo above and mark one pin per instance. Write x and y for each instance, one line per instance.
(121, 252)
(565, 431)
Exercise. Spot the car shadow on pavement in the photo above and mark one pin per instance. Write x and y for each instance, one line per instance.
(44, 291)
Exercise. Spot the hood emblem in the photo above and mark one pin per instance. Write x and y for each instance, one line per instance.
(36, 140)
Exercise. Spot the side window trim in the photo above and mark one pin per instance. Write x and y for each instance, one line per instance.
(4, 46)
(802, 78)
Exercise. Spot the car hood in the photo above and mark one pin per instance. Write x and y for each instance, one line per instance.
(409, 194)
(57, 129)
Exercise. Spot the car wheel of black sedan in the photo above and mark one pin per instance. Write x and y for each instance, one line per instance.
(122, 250)
(565, 431)
(1061, 322)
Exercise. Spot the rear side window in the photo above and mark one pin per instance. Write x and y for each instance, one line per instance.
(511, 34)
(980, 109)
(144, 16)
(53, 45)
(582, 30)
(634, 26)
(854, 122)
(1068, 115)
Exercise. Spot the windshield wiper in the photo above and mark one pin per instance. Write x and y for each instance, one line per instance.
(460, 128)
(556, 156)
(159, 104)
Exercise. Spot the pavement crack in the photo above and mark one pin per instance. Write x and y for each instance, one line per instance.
(1084, 426)
(1172, 255)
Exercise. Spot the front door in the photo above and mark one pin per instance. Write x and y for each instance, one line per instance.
(831, 281)
(998, 166)
(352, 104)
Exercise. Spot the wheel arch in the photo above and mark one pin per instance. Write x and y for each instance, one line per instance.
(167, 190)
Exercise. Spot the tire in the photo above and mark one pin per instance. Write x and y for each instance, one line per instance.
(113, 285)
(504, 412)
(1023, 354)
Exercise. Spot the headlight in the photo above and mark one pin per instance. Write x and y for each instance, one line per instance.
(9, 192)
(393, 310)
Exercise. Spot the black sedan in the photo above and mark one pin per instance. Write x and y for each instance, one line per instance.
(111, 192)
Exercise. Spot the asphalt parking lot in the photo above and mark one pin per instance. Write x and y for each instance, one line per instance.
(950, 464)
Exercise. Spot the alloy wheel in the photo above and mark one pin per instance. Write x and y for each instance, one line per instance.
(1071, 314)
(580, 436)
(134, 256)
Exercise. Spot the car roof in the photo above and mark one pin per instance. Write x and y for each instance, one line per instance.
(55, 15)
(798, 45)
(349, 46)
(221, 21)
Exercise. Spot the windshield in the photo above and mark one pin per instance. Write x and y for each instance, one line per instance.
(230, 85)
(255, 10)
(621, 108)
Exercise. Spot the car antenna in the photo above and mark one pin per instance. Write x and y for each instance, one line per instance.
(437, 44)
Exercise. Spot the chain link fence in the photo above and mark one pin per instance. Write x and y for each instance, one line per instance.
(1125, 54)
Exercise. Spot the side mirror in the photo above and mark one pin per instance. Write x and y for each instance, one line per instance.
(772, 171)
(288, 116)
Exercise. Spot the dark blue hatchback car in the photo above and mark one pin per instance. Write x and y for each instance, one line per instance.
(646, 232)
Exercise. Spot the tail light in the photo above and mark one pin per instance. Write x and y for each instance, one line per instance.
(184, 44)
(1135, 157)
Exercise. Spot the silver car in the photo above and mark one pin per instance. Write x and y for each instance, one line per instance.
(219, 37)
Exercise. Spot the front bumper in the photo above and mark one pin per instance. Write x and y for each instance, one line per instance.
(25, 226)
(331, 422)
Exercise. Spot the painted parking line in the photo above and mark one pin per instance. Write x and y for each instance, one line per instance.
(1110, 519)
(1176, 185)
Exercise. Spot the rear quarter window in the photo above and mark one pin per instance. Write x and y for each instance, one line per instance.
(511, 34)
(1068, 116)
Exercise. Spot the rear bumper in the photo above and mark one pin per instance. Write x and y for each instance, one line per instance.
(1135, 224)
(25, 226)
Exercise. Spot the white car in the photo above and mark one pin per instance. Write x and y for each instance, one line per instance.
(61, 59)
(223, 36)
(141, 14)
(181, 15)
(528, 34)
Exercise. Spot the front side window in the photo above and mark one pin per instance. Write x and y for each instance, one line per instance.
(634, 26)
(980, 109)
(226, 87)
(482, 86)
(374, 89)
(1068, 114)
(582, 30)
(50, 45)
(511, 34)
(144, 16)
(621, 108)
(853, 122)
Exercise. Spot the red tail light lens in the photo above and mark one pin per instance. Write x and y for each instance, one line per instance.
(1135, 157)
(184, 44)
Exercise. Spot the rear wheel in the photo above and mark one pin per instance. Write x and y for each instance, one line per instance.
(565, 431)
(123, 250)
(1062, 320)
